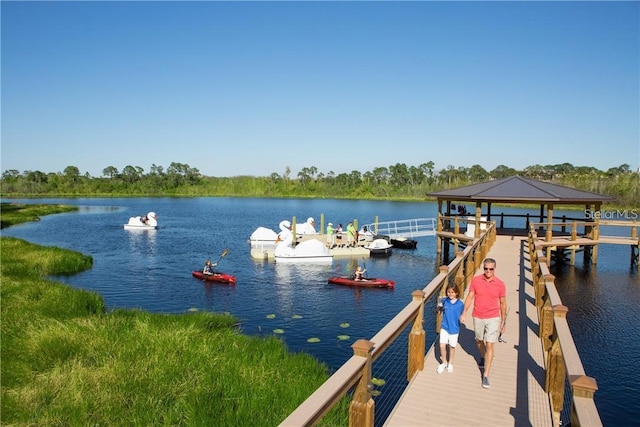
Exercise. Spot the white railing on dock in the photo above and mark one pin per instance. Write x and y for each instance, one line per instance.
(404, 228)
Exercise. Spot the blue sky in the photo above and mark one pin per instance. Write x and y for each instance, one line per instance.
(251, 88)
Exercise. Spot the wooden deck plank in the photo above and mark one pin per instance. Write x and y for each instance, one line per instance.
(516, 396)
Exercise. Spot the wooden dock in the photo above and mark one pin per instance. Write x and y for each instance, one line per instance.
(517, 396)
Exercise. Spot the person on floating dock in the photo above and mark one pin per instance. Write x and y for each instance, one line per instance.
(331, 236)
(351, 235)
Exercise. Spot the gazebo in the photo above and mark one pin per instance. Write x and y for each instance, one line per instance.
(519, 190)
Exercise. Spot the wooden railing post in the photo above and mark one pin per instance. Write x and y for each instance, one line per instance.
(556, 370)
(469, 272)
(574, 231)
(533, 259)
(540, 285)
(596, 237)
(459, 279)
(581, 386)
(362, 407)
(443, 269)
(439, 240)
(417, 339)
(546, 325)
(293, 231)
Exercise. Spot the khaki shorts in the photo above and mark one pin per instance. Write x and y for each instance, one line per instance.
(486, 330)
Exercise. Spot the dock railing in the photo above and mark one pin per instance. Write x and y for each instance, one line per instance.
(587, 233)
(563, 364)
(354, 377)
(408, 228)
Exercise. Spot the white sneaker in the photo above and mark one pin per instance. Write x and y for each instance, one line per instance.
(441, 368)
(450, 368)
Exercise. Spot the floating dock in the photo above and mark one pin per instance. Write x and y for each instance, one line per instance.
(266, 252)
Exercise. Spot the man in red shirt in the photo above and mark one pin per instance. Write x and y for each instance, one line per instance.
(487, 293)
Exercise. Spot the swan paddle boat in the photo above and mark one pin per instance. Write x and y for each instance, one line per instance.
(366, 282)
(309, 251)
(379, 247)
(263, 236)
(215, 277)
(266, 237)
(143, 222)
(307, 227)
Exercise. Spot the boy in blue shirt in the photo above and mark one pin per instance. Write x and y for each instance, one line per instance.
(452, 309)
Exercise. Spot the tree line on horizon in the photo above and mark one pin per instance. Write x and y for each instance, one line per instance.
(397, 181)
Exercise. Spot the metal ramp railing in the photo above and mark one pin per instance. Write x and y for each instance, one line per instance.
(407, 228)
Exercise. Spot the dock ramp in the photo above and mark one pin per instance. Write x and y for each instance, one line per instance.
(407, 228)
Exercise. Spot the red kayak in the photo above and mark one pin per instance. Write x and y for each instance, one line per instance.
(369, 282)
(215, 277)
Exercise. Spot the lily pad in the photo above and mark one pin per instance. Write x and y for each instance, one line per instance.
(278, 331)
(314, 339)
(375, 393)
(344, 325)
(296, 316)
(343, 337)
(378, 381)
(271, 316)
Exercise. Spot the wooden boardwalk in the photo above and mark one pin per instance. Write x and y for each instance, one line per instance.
(516, 396)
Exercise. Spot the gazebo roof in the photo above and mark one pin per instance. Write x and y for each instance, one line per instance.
(520, 190)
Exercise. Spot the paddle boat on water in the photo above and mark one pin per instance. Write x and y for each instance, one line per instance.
(215, 277)
(265, 237)
(309, 251)
(365, 282)
(143, 222)
(403, 243)
(379, 247)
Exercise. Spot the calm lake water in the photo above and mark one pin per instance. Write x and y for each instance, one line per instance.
(151, 270)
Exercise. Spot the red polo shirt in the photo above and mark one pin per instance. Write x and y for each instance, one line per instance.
(486, 303)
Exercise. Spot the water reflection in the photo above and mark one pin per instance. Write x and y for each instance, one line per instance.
(89, 210)
(143, 242)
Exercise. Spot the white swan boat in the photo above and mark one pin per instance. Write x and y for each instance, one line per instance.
(309, 251)
(263, 237)
(143, 222)
(307, 227)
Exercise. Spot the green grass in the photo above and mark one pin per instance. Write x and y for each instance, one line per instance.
(14, 213)
(67, 361)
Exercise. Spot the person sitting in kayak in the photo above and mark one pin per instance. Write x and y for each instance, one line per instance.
(208, 268)
(360, 273)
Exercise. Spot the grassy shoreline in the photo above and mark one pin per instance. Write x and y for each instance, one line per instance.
(66, 360)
